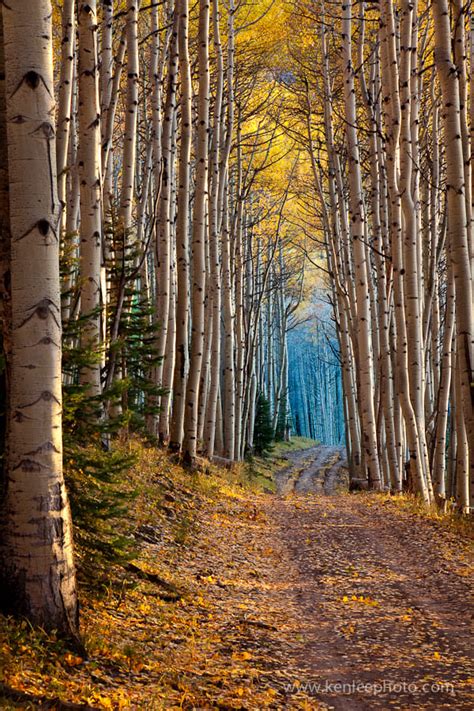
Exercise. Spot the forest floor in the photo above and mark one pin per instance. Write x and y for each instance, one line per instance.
(310, 598)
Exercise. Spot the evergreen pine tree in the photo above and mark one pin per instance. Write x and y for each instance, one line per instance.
(263, 432)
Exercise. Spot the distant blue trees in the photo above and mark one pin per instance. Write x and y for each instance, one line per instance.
(315, 381)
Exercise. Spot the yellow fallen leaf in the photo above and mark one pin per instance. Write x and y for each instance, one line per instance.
(71, 660)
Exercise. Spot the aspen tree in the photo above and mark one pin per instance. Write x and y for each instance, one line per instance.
(392, 118)
(5, 244)
(457, 219)
(72, 206)
(4, 205)
(65, 92)
(411, 266)
(214, 289)
(228, 413)
(339, 229)
(130, 135)
(106, 92)
(163, 179)
(108, 120)
(239, 301)
(378, 209)
(170, 354)
(90, 180)
(36, 547)
(459, 8)
(227, 294)
(369, 437)
(182, 237)
(198, 280)
(442, 414)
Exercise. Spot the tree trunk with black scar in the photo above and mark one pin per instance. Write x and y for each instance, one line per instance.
(214, 281)
(163, 236)
(65, 101)
(182, 238)
(36, 547)
(106, 87)
(4, 250)
(198, 242)
(458, 235)
(90, 188)
(130, 135)
(228, 410)
(361, 267)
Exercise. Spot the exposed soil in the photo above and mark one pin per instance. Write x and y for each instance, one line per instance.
(312, 598)
(322, 587)
(409, 623)
(319, 470)
(382, 595)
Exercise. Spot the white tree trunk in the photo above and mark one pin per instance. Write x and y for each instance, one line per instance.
(66, 89)
(90, 191)
(214, 292)
(356, 199)
(182, 237)
(37, 551)
(458, 237)
(198, 283)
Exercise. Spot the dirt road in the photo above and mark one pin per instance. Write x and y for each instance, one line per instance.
(334, 600)
(382, 595)
(319, 470)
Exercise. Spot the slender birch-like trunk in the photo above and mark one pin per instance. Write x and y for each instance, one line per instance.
(130, 135)
(412, 292)
(442, 405)
(182, 237)
(170, 354)
(163, 175)
(458, 237)
(5, 245)
(239, 303)
(109, 119)
(227, 292)
(356, 199)
(66, 88)
(229, 337)
(198, 282)
(106, 88)
(90, 194)
(392, 119)
(214, 290)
